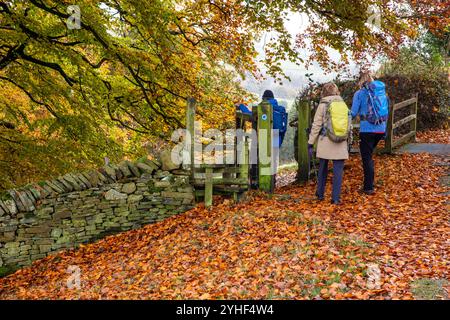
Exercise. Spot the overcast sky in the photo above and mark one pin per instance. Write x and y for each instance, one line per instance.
(295, 24)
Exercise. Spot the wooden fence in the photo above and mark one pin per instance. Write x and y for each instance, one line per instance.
(392, 141)
(234, 178)
(215, 178)
(222, 178)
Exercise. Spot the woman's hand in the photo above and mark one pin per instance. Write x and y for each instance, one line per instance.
(310, 150)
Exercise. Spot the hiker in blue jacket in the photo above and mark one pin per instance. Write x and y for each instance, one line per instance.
(370, 102)
(279, 117)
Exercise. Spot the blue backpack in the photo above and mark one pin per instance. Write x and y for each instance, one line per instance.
(280, 119)
(377, 104)
(244, 109)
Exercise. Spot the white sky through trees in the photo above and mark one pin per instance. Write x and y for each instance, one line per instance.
(295, 24)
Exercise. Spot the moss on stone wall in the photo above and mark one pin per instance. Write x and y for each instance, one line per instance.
(62, 213)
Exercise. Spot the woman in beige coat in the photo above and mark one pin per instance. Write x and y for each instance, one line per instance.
(327, 149)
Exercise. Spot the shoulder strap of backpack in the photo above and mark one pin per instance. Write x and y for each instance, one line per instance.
(327, 107)
(324, 117)
(327, 113)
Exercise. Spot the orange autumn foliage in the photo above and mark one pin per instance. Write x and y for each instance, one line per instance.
(284, 247)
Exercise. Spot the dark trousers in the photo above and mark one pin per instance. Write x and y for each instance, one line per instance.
(338, 171)
(368, 142)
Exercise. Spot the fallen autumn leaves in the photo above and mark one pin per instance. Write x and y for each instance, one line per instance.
(434, 136)
(287, 246)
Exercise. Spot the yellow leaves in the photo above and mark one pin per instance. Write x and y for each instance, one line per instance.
(222, 266)
(205, 296)
(140, 280)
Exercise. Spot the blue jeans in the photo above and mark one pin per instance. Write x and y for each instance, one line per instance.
(338, 171)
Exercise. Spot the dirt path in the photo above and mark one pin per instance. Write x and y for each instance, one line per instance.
(431, 148)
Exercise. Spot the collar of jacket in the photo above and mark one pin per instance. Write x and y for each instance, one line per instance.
(331, 98)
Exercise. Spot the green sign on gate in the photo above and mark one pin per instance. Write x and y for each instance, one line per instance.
(266, 163)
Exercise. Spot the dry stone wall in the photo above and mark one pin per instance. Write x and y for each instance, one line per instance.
(76, 208)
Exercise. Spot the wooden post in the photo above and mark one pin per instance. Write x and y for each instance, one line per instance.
(208, 187)
(190, 128)
(389, 128)
(265, 178)
(413, 124)
(243, 163)
(304, 115)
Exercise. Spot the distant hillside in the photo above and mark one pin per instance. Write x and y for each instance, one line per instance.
(287, 90)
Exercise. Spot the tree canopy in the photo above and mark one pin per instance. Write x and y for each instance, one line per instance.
(123, 76)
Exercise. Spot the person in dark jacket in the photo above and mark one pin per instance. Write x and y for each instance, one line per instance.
(279, 116)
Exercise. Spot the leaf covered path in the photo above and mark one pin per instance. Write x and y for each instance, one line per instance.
(286, 246)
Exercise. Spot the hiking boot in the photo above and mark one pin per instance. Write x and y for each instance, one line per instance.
(338, 202)
(368, 192)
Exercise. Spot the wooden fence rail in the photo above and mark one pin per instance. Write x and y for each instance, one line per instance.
(391, 140)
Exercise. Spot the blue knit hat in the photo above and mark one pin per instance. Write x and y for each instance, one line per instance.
(268, 94)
